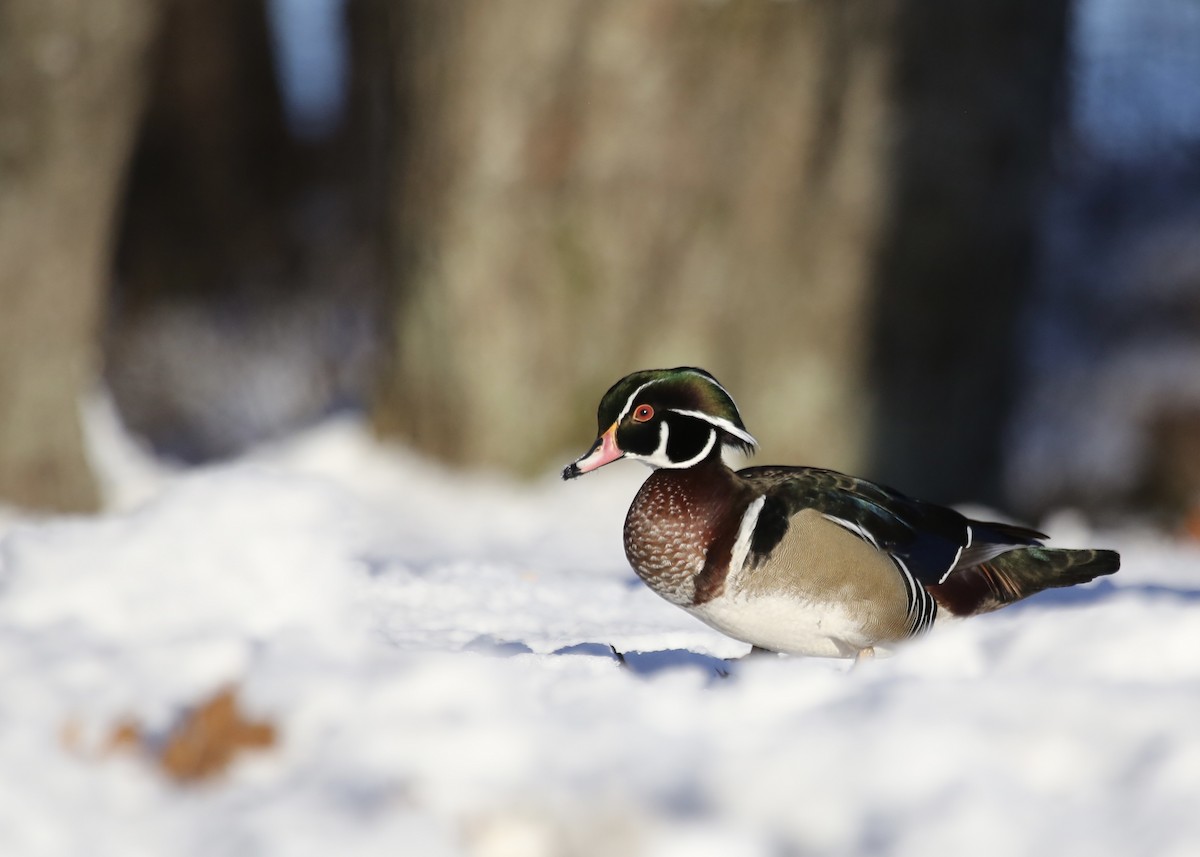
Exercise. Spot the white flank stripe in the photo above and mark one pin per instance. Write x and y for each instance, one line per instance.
(741, 546)
(857, 529)
(957, 555)
(922, 606)
(953, 563)
(910, 585)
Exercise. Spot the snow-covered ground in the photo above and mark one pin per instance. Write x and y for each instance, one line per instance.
(432, 650)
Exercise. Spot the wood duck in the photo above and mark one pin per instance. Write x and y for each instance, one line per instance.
(800, 560)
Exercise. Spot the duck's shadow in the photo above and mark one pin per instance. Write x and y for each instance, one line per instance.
(638, 663)
(667, 660)
(652, 663)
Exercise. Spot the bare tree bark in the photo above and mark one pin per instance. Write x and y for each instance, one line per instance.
(72, 76)
(583, 189)
(828, 204)
(211, 177)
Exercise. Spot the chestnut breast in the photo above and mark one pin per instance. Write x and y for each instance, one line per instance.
(682, 524)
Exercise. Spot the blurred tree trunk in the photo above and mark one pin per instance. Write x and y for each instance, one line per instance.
(72, 76)
(828, 204)
(584, 189)
(212, 167)
(204, 252)
(979, 91)
(245, 263)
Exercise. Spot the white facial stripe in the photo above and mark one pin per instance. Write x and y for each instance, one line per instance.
(710, 379)
(634, 395)
(659, 457)
(719, 422)
(708, 447)
(720, 387)
(741, 547)
(702, 455)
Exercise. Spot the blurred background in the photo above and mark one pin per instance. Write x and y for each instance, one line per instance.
(951, 246)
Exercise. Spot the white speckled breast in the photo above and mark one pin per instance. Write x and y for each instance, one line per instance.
(667, 534)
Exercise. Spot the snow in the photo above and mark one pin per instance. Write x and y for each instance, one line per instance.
(433, 650)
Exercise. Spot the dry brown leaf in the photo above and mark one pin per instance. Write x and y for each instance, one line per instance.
(209, 738)
(201, 745)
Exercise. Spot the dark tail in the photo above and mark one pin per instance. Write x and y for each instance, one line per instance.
(1018, 574)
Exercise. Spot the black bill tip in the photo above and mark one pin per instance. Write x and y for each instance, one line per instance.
(571, 471)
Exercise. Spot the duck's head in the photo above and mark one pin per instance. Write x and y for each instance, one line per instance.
(666, 418)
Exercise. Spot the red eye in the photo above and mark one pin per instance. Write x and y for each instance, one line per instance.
(642, 413)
